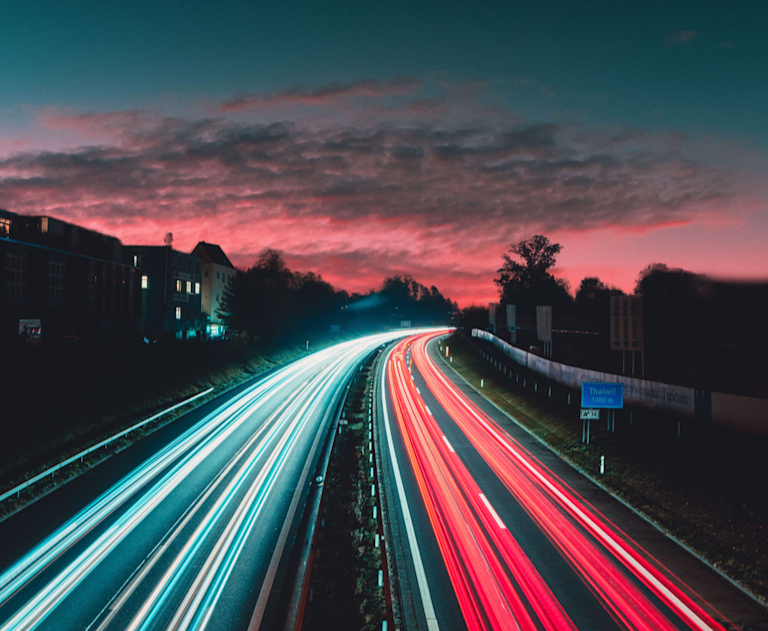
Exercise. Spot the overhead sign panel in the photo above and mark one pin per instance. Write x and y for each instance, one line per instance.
(511, 318)
(602, 395)
(544, 323)
(493, 307)
(626, 323)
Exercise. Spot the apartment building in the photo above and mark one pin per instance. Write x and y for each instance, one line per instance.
(62, 280)
(170, 291)
(218, 274)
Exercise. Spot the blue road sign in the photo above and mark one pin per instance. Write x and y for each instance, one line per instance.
(602, 395)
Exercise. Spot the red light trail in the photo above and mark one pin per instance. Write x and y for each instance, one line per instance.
(474, 541)
(496, 584)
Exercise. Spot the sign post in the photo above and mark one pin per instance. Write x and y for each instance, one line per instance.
(586, 417)
(596, 396)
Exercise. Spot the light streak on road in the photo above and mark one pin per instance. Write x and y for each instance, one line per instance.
(495, 583)
(180, 583)
(604, 557)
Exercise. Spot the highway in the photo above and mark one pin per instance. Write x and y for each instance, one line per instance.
(489, 537)
(188, 530)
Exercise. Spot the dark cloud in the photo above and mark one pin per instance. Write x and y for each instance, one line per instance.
(524, 169)
(427, 198)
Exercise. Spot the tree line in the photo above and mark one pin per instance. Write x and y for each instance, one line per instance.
(269, 301)
(528, 282)
(689, 320)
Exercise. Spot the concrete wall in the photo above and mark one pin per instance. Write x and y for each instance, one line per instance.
(744, 414)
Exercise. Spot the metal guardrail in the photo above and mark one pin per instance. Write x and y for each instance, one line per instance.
(296, 589)
(48, 472)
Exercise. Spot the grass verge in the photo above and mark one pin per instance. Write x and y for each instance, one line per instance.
(344, 591)
(706, 486)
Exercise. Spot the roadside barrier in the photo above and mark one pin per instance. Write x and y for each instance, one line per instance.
(79, 456)
(740, 413)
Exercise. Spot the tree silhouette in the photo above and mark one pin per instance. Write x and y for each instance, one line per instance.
(259, 300)
(529, 283)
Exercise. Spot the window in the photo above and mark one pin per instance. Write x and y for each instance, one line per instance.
(56, 278)
(5, 227)
(217, 275)
(206, 273)
(197, 288)
(15, 273)
(92, 278)
(178, 313)
(178, 285)
(145, 282)
(189, 286)
(135, 260)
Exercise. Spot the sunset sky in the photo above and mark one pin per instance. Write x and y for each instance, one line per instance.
(365, 139)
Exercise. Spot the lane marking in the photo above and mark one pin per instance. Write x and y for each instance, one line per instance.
(449, 445)
(493, 513)
(421, 576)
(611, 540)
(266, 587)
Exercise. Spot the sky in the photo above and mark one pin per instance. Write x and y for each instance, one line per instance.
(367, 139)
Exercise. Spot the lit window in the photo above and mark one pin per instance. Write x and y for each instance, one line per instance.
(135, 260)
(145, 282)
(178, 313)
(189, 286)
(197, 288)
(178, 285)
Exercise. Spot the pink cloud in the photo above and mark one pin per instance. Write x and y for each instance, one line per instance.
(681, 37)
(355, 203)
(97, 125)
(304, 95)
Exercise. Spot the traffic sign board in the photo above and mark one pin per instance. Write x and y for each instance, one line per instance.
(602, 395)
(590, 415)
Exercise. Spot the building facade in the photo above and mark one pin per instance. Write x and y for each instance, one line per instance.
(69, 280)
(218, 275)
(170, 291)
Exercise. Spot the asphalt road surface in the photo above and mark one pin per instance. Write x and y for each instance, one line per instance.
(189, 529)
(491, 531)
